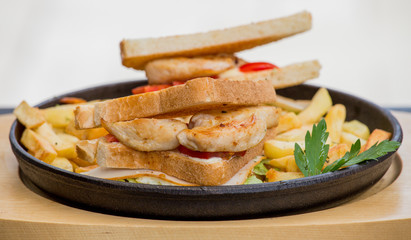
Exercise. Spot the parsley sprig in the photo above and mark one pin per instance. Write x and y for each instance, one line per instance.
(311, 161)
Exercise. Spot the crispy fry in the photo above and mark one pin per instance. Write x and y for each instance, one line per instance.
(40, 147)
(376, 136)
(63, 148)
(85, 134)
(350, 139)
(28, 116)
(274, 175)
(286, 164)
(320, 104)
(294, 135)
(278, 149)
(69, 143)
(291, 105)
(335, 119)
(62, 163)
(288, 121)
(59, 116)
(357, 128)
(335, 153)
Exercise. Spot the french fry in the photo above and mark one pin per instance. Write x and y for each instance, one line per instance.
(274, 175)
(288, 121)
(85, 134)
(59, 116)
(277, 149)
(62, 163)
(286, 164)
(59, 130)
(294, 135)
(320, 104)
(280, 163)
(378, 135)
(335, 119)
(290, 105)
(357, 128)
(350, 139)
(63, 147)
(29, 116)
(292, 165)
(69, 142)
(335, 153)
(39, 146)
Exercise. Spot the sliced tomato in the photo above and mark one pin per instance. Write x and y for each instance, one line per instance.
(207, 155)
(149, 88)
(111, 138)
(257, 66)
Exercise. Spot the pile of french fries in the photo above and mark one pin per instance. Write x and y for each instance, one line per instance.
(298, 117)
(51, 136)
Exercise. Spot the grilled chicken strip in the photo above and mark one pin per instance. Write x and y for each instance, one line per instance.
(165, 71)
(145, 134)
(215, 117)
(228, 131)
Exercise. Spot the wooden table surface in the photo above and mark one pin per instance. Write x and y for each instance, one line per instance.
(382, 212)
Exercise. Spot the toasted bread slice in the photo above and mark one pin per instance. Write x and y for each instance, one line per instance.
(136, 53)
(193, 96)
(287, 76)
(214, 171)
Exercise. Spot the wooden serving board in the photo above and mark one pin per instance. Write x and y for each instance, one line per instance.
(382, 212)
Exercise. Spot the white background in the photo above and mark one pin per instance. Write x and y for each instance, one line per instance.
(50, 47)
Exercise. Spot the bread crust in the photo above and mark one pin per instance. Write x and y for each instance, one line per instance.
(193, 96)
(136, 53)
(201, 172)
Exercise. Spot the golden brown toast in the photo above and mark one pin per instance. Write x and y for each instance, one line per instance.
(136, 53)
(193, 96)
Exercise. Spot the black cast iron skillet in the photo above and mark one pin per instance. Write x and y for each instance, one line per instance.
(210, 202)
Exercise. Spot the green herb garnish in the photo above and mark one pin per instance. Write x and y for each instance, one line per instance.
(311, 161)
(313, 158)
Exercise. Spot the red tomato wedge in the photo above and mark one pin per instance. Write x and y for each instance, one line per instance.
(111, 138)
(149, 88)
(207, 155)
(257, 66)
